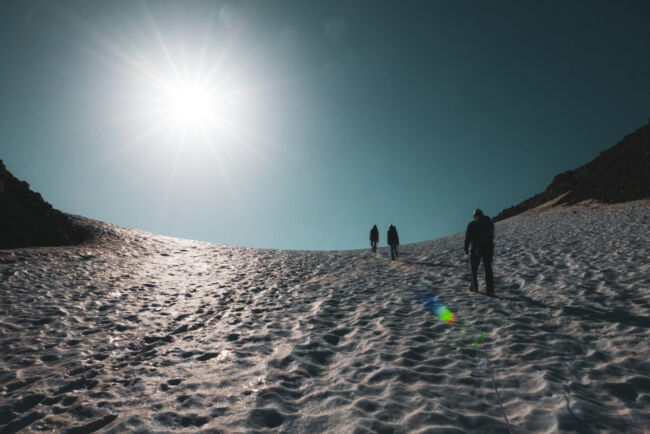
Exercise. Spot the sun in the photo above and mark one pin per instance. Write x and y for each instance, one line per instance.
(191, 105)
(190, 95)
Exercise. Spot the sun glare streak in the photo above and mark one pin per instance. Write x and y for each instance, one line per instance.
(218, 161)
(162, 45)
(137, 139)
(243, 136)
(206, 43)
(172, 179)
(211, 74)
(124, 61)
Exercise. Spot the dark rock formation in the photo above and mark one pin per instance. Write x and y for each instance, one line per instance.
(619, 174)
(26, 220)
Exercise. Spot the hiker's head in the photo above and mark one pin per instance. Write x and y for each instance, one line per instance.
(477, 213)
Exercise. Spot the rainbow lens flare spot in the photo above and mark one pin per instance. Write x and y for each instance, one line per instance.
(448, 316)
(434, 305)
(479, 340)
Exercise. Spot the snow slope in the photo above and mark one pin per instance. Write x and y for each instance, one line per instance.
(139, 332)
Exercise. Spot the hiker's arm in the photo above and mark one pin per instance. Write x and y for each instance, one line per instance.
(492, 235)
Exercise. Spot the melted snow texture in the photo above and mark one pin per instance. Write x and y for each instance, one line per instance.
(141, 332)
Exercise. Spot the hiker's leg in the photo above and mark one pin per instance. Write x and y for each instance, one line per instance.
(489, 276)
(392, 251)
(474, 262)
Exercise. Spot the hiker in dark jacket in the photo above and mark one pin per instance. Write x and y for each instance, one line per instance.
(374, 238)
(393, 241)
(479, 245)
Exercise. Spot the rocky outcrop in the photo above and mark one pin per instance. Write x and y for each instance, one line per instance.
(26, 220)
(619, 174)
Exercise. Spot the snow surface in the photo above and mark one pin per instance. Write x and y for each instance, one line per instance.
(139, 332)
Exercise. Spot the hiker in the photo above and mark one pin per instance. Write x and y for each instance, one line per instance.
(393, 241)
(374, 238)
(480, 235)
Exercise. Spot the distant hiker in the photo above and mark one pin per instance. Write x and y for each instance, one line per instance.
(374, 238)
(480, 235)
(393, 241)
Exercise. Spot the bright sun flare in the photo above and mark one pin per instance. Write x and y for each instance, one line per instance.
(191, 106)
(184, 98)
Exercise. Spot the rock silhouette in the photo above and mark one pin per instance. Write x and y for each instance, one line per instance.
(26, 220)
(619, 174)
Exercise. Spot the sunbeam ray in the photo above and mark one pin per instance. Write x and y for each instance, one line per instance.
(172, 178)
(218, 161)
(162, 45)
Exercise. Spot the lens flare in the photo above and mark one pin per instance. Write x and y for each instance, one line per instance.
(191, 105)
(434, 305)
(479, 340)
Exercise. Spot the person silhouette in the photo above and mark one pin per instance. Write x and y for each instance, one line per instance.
(393, 241)
(374, 238)
(479, 245)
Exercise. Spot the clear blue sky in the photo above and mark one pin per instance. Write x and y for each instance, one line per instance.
(299, 124)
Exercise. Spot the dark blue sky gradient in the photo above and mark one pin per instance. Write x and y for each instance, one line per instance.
(354, 112)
